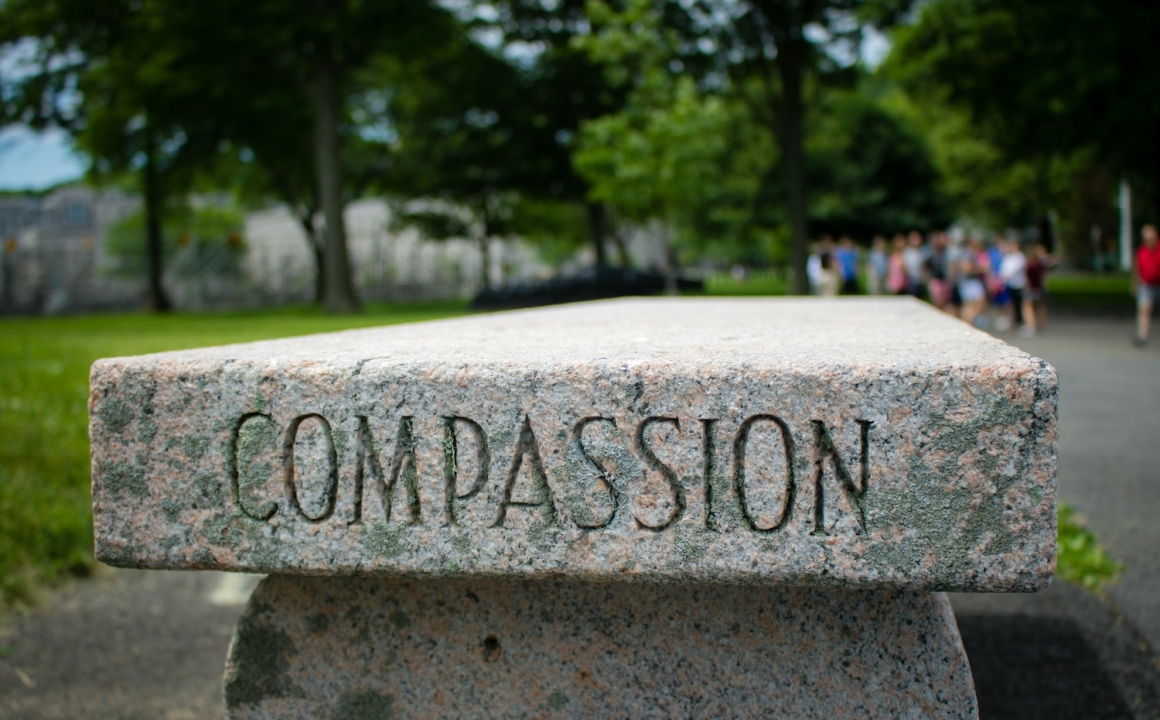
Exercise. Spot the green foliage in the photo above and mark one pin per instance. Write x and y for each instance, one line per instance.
(692, 160)
(668, 158)
(45, 507)
(557, 228)
(1081, 559)
(1042, 82)
(1040, 77)
(701, 162)
(871, 170)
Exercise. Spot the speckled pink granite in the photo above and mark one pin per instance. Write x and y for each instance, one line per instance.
(860, 442)
(352, 648)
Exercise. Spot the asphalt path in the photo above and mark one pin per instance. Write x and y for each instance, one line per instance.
(138, 644)
(1109, 449)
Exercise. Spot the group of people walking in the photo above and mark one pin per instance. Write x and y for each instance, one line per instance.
(961, 277)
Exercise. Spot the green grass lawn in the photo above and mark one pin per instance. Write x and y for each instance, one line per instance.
(757, 282)
(45, 515)
(1110, 292)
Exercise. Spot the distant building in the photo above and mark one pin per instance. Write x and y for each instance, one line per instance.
(388, 266)
(55, 258)
(54, 250)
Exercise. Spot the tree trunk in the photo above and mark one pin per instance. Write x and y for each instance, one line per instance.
(791, 66)
(597, 224)
(1046, 232)
(156, 299)
(338, 287)
(317, 251)
(622, 258)
(485, 251)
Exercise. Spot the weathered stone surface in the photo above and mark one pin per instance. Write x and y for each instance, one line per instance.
(805, 442)
(348, 648)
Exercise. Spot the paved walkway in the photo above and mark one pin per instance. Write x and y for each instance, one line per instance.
(132, 644)
(1109, 450)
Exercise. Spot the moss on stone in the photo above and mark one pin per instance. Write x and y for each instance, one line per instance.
(926, 504)
(147, 430)
(557, 700)
(261, 663)
(115, 415)
(461, 542)
(400, 620)
(171, 509)
(691, 546)
(340, 438)
(124, 477)
(263, 558)
(364, 705)
(386, 539)
(318, 622)
(194, 446)
(209, 488)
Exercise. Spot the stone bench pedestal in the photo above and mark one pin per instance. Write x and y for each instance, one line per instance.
(311, 648)
(655, 508)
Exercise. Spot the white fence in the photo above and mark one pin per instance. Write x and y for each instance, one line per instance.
(71, 272)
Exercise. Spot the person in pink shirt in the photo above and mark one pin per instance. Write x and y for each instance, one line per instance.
(897, 281)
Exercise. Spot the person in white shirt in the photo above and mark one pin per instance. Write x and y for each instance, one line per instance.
(914, 256)
(1013, 273)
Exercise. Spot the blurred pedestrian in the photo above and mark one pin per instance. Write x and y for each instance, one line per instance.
(1013, 275)
(972, 274)
(954, 257)
(814, 267)
(877, 265)
(936, 266)
(829, 277)
(896, 280)
(914, 257)
(846, 262)
(1035, 293)
(1146, 283)
(991, 259)
(824, 246)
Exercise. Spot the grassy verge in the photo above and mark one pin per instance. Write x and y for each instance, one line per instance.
(1085, 291)
(758, 282)
(45, 515)
(1081, 559)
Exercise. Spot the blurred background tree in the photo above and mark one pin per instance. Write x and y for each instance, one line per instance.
(106, 71)
(1063, 92)
(734, 129)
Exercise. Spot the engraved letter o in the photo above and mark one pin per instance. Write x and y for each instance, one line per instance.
(330, 462)
(739, 472)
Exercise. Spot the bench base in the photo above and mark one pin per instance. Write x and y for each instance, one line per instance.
(352, 648)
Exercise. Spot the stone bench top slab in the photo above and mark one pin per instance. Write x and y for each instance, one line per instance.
(849, 442)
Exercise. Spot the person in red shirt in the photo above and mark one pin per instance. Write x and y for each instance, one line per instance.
(1146, 282)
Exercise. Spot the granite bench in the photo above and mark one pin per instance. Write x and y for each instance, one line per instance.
(657, 508)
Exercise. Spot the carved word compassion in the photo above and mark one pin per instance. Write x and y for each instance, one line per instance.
(256, 442)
